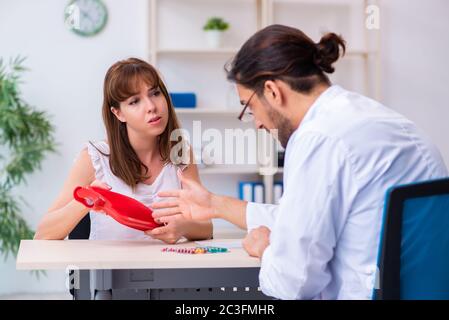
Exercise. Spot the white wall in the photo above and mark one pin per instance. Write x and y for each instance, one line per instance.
(65, 79)
(415, 66)
(67, 72)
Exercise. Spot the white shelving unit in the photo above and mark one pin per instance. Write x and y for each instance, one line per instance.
(218, 170)
(234, 170)
(207, 111)
(318, 16)
(202, 51)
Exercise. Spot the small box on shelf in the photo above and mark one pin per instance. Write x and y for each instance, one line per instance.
(183, 99)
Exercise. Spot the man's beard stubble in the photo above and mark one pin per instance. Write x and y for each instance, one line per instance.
(282, 124)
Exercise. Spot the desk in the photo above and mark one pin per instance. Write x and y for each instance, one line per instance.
(139, 269)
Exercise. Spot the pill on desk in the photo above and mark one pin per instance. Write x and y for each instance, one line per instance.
(216, 249)
(200, 250)
(196, 250)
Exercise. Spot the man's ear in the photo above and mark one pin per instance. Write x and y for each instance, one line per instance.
(118, 114)
(273, 93)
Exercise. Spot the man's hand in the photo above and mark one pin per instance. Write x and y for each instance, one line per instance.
(193, 202)
(257, 241)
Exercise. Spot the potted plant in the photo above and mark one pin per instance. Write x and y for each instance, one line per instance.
(26, 136)
(214, 28)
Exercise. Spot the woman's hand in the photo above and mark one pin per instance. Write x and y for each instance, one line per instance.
(173, 230)
(100, 184)
(192, 202)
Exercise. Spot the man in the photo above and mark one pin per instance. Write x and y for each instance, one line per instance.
(343, 151)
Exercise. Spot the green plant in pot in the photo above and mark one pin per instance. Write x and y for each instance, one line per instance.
(26, 136)
(214, 28)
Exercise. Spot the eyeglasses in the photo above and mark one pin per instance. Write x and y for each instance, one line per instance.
(247, 116)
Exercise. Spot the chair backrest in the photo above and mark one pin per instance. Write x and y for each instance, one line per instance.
(82, 229)
(414, 250)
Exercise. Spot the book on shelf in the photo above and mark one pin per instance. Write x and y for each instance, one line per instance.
(252, 191)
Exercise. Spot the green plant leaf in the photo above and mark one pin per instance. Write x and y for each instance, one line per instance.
(26, 137)
(216, 23)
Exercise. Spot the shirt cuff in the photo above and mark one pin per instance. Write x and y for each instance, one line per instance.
(259, 214)
(265, 274)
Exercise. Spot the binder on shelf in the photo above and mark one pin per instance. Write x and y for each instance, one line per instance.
(278, 189)
(183, 100)
(252, 191)
(258, 192)
(246, 191)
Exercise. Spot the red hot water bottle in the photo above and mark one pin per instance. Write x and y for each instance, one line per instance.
(123, 209)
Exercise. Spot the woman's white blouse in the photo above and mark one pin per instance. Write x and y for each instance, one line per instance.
(104, 227)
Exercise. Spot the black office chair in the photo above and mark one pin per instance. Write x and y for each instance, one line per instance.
(414, 250)
(82, 229)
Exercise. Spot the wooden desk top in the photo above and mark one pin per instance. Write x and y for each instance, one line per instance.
(124, 254)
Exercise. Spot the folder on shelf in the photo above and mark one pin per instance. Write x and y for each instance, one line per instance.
(258, 191)
(183, 100)
(278, 189)
(246, 191)
(252, 191)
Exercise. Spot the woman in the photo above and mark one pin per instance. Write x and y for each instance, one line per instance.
(134, 161)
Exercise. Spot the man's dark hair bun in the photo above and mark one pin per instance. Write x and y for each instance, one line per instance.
(329, 49)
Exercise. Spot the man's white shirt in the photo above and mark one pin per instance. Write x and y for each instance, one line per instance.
(339, 163)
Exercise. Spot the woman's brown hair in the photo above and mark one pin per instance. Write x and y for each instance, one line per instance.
(123, 80)
(288, 54)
